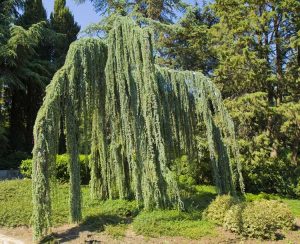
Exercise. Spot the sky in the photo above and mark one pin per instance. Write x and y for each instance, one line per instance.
(84, 14)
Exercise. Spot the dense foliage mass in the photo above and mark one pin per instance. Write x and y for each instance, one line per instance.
(32, 48)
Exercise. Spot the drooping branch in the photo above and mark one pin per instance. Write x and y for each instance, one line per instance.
(201, 101)
(74, 87)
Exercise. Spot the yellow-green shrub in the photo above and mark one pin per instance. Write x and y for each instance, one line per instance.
(233, 218)
(217, 209)
(261, 219)
(258, 219)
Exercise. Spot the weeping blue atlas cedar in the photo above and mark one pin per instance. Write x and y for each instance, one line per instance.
(134, 117)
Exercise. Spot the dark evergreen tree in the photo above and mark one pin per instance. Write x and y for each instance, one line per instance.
(257, 45)
(188, 46)
(17, 69)
(34, 12)
(28, 61)
(62, 21)
(26, 101)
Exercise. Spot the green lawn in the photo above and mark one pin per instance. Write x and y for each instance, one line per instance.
(114, 216)
(294, 205)
(15, 206)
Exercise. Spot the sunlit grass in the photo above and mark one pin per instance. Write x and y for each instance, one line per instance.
(115, 216)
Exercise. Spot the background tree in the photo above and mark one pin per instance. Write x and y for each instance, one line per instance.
(161, 10)
(257, 48)
(62, 21)
(188, 46)
(251, 50)
(16, 52)
(26, 101)
(8, 13)
(27, 65)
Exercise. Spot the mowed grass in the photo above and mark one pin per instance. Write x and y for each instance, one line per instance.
(294, 205)
(16, 206)
(187, 223)
(172, 223)
(115, 216)
(111, 216)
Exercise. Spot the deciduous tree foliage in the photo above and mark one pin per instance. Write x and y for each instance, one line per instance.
(142, 117)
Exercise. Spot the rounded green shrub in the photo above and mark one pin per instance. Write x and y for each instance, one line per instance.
(261, 219)
(61, 168)
(26, 168)
(216, 211)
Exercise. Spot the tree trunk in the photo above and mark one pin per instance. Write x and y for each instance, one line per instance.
(279, 60)
(16, 121)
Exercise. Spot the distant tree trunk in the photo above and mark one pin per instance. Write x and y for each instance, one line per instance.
(16, 120)
(279, 59)
(62, 138)
(295, 152)
(266, 54)
(32, 104)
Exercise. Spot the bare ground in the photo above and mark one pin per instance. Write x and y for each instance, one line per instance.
(73, 234)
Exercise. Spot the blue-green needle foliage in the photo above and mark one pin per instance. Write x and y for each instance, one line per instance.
(137, 116)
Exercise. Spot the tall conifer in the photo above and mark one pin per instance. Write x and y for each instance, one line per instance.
(62, 21)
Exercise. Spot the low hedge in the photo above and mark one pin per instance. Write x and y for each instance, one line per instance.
(62, 172)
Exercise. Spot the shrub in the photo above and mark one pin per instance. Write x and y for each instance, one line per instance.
(258, 219)
(233, 218)
(217, 209)
(261, 219)
(26, 168)
(193, 170)
(297, 189)
(61, 168)
(262, 172)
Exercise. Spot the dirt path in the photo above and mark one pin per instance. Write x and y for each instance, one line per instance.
(74, 235)
(8, 240)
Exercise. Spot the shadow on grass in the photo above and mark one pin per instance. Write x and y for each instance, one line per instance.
(195, 201)
(94, 223)
(198, 201)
